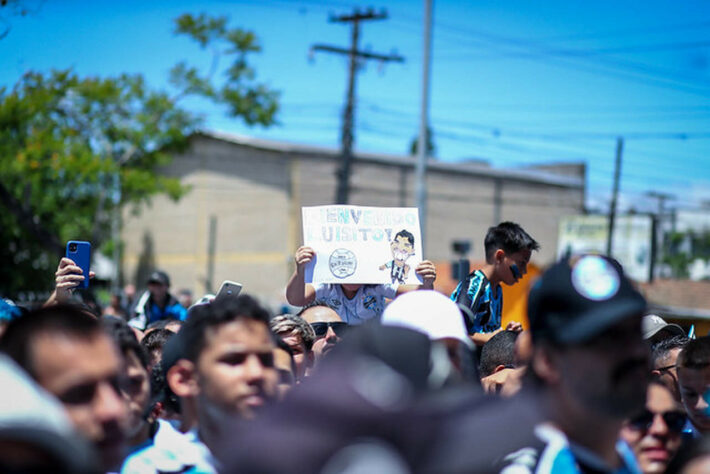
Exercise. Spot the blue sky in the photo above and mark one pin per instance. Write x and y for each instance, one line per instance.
(513, 83)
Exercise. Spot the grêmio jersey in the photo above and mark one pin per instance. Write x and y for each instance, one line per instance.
(485, 302)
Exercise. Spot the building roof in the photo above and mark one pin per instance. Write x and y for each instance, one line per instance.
(683, 299)
(476, 168)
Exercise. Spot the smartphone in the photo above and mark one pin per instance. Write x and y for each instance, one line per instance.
(80, 253)
(229, 288)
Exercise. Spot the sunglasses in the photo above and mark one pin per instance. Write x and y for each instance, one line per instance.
(674, 420)
(339, 328)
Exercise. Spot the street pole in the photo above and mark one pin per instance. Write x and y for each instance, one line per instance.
(422, 146)
(615, 194)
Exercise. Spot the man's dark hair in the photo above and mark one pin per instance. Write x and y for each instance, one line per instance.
(661, 349)
(160, 391)
(125, 338)
(499, 350)
(155, 340)
(406, 234)
(220, 311)
(313, 304)
(64, 319)
(509, 237)
(162, 323)
(695, 354)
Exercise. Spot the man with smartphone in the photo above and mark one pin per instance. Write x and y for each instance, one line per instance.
(157, 303)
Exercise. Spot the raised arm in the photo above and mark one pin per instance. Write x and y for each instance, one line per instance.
(298, 292)
(67, 277)
(427, 271)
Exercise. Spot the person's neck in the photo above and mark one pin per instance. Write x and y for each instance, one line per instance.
(141, 436)
(489, 270)
(350, 294)
(595, 432)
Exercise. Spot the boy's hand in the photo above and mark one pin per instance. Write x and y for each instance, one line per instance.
(303, 256)
(427, 271)
(514, 326)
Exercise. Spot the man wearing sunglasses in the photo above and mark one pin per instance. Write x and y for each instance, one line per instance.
(327, 326)
(654, 434)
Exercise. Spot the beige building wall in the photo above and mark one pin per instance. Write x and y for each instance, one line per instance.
(253, 191)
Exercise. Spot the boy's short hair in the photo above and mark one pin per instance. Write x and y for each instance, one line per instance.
(499, 350)
(696, 354)
(194, 332)
(509, 237)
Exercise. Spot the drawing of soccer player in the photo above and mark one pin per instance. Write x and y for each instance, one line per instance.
(402, 247)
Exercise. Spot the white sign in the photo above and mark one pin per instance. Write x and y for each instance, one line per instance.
(356, 244)
(631, 245)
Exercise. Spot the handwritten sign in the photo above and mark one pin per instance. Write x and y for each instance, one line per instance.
(357, 244)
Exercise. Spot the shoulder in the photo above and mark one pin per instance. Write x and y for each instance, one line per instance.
(386, 290)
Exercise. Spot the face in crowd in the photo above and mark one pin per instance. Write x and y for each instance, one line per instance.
(84, 374)
(606, 375)
(136, 392)
(654, 434)
(235, 372)
(667, 373)
(301, 356)
(284, 365)
(328, 328)
(695, 392)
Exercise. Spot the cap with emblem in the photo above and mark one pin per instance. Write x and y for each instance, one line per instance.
(655, 329)
(578, 298)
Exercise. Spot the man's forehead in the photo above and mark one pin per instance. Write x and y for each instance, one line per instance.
(402, 239)
(70, 359)
(320, 314)
(688, 376)
(246, 332)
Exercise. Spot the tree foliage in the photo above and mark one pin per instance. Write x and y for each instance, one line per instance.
(75, 149)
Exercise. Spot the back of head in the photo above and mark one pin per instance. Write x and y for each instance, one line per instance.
(62, 319)
(286, 325)
(509, 237)
(204, 318)
(696, 354)
(499, 350)
(124, 338)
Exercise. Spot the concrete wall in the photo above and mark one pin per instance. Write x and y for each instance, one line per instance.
(255, 195)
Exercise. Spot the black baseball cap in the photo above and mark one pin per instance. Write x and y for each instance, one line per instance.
(579, 297)
(159, 276)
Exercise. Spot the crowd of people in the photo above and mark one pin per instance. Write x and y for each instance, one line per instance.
(385, 378)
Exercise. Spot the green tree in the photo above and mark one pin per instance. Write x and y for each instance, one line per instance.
(74, 150)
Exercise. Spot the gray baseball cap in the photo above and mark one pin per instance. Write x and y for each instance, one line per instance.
(655, 328)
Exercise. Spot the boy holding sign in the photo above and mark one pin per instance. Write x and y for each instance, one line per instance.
(354, 303)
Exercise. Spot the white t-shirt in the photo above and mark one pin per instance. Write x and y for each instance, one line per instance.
(368, 302)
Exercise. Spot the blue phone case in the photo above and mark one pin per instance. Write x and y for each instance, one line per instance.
(80, 253)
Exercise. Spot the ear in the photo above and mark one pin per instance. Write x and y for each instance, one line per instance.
(656, 373)
(498, 255)
(498, 368)
(182, 379)
(543, 364)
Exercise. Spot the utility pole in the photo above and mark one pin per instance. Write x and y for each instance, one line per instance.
(422, 148)
(355, 55)
(657, 228)
(614, 195)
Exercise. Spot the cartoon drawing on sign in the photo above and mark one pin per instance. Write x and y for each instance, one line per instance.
(342, 263)
(402, 247)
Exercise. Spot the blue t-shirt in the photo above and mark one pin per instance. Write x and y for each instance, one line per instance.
(485, 302)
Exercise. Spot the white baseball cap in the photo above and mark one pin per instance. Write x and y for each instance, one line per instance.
(428, 312)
